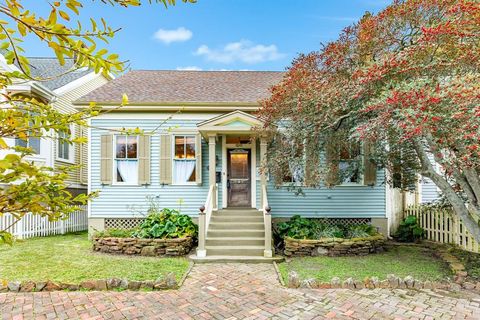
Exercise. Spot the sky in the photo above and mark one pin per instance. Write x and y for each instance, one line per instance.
(219, 34)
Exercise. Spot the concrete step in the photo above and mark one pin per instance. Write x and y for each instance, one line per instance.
(230, 226)
(232, 241)
(235, 250)
(235, 233)
(236, 219)
(230, 212)
(240, 259)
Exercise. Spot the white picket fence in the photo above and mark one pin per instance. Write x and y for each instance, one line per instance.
(36, 226)
(442, 225)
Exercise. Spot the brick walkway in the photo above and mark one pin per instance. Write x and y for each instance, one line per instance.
(238, 291)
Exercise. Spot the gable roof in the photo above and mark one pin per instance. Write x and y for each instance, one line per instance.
(44, 67)
(209, 87)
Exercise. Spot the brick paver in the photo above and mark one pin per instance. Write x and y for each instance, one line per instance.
(241, 291)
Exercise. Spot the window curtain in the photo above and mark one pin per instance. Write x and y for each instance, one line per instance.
(128, 170)
(183, 170)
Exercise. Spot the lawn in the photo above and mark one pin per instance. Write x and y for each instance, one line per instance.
(401, 261)
(69, 258)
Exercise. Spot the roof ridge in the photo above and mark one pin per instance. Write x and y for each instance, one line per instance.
(173, 70)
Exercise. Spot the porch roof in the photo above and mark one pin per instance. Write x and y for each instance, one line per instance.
(236, 122)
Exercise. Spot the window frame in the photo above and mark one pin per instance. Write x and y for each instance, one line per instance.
(174, 159)
(27, 145)
(115, 159)
(71, 148)
(360, 166)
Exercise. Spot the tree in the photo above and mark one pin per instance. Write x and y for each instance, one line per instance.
(404, 82)
(27, 187)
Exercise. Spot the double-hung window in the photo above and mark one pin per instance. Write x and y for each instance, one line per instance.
(349, 164)
(184, 161)
(126, 159)
(31, 142)
(64, 149)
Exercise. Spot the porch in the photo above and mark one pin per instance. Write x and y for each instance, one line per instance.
(240, 228)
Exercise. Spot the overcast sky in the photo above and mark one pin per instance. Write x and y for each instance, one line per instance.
(221, 34)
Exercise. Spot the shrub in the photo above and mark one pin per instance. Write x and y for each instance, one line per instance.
(303, 228)
(166, 224)
(409, 230)
(115, 233)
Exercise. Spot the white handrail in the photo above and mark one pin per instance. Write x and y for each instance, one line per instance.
(267, 220)
(204, 217)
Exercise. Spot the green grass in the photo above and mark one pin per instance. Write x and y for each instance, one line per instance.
(401, 261)
(69, 258)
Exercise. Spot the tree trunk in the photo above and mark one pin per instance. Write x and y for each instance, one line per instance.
(458, 205)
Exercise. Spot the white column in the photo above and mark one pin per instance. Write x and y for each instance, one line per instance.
(212, 167)
(263, 176)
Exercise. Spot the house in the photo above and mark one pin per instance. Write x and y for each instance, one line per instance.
(197, 151)
(62, 86)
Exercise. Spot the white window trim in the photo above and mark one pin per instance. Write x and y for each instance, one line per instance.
(183, 134)
(71, 149)
(114, 164)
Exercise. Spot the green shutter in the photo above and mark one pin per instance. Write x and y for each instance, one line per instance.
(370, 168)
(198, 156)
(144, 159)
(106, 159)
(165, 159)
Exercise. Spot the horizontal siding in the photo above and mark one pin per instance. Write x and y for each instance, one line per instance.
(128, 201)
(64, 105)
(429, 191)
(340, 202)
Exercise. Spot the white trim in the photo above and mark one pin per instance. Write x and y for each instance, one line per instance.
(79, 82)
(253, 174)
(195, 116)
(224, 172)
(172, 152)
(176, 107)
(89, 166)
(114, 162)
(388, 203)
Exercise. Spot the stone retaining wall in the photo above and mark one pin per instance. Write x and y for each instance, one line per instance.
(144, 247)
(334, 246)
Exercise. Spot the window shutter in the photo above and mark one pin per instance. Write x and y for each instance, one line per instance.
(165, 159)
(198, 156)
(370, 168)
(332, 157)
(106, 159)
(144, 159)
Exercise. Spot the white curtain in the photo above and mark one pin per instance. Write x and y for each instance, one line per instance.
(128, 170)
(183, 170)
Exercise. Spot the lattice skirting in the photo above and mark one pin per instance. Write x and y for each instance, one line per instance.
(123, 223)
(346, 221)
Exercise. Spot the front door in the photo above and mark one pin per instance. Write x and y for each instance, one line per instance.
(238, 178)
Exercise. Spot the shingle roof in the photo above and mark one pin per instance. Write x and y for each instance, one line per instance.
(50, 68)
(156, 86)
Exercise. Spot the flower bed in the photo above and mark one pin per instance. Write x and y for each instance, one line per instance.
(334, 246)
(144, 247)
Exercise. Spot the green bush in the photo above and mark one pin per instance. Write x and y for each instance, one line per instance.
(409, 230)
(303, 228)
(115, 233)
(166, 224)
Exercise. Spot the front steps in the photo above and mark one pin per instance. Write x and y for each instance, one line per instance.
(235, 235)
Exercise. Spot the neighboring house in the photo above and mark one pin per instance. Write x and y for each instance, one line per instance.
(60, 89)
(197, 144)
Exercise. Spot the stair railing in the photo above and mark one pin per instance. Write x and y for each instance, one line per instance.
(267, 220)
(204, 217)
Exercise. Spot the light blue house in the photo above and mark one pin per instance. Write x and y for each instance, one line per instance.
(197, 151)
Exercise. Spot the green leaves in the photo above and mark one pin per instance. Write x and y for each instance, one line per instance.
(409, 230)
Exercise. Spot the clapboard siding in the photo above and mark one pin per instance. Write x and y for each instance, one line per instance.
(128, 201)
(64, 104)
(429, 190)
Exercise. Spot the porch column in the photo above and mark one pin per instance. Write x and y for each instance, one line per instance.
(263, 176)
(212, 166)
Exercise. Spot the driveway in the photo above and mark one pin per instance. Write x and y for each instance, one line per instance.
(241, 291)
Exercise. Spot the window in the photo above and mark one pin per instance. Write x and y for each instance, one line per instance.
(349, 164)
(31, 142)
(126, 159)
(64, 149)
(184, 159)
